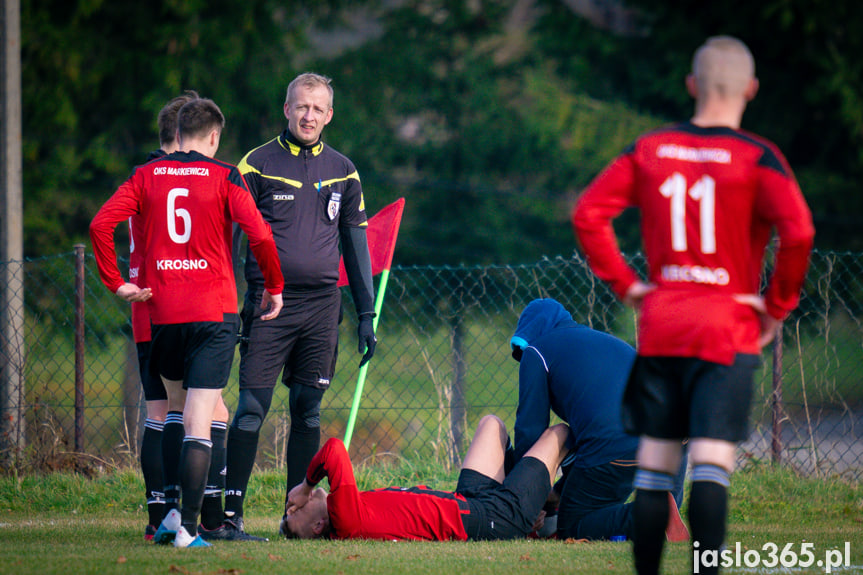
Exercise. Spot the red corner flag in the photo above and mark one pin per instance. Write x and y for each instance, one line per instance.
(381, 234)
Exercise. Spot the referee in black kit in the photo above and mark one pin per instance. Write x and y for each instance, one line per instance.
(311, 196)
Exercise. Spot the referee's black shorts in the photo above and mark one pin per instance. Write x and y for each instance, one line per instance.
(680, 397)
(301, 343)
(198, 353)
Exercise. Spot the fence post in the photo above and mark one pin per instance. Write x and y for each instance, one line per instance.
(79, 348)
(776, 404)
(458, 407)
(12, 398)
(12, 358)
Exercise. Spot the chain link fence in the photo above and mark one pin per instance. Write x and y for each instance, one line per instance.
(442, 362)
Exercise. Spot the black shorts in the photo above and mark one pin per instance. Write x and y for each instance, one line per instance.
(153, 388)
(504, 510)
(301, 342)
(680, 397)
(199, 353)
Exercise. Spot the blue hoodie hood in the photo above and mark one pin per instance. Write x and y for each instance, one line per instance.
(538, 318)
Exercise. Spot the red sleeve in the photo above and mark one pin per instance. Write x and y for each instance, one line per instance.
(344, 506)
(248, 217)
(781, 203)
(119, 207)
(605, 198)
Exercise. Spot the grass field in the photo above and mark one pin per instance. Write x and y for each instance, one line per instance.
(67, 524)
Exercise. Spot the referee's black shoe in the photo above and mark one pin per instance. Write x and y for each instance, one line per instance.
(230, 530)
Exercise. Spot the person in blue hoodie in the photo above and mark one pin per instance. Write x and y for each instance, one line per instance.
(579, 374)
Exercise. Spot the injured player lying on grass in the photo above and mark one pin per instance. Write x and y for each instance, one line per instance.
(486, 504)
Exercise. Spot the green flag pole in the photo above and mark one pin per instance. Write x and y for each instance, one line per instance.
(361, 378)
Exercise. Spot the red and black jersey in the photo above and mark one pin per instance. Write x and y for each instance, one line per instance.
(709, 200)
(140, 313)
(415, 513)
(186, 203)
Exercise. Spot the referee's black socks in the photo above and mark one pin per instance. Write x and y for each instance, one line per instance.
(303, 444)
(242, 448)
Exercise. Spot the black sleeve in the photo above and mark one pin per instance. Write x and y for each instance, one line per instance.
(358, 265)
(237, 253)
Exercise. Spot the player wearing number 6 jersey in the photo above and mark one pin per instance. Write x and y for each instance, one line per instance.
(186, 202)
(710, 196)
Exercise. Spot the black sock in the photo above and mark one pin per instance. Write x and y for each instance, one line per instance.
(211, 508)
(303, 443)
(708, 507)
(242, 448)
(172, 444)
(151, 468)
(194, 466)
(650, 516)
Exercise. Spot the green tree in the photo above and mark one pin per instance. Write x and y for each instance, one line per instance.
(475, 127)
(807, 59)
(96, 73)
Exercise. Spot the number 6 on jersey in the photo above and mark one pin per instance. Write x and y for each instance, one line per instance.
(181, 213)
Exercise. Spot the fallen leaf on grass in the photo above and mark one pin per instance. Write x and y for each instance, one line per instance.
(570, 540)
(220, 571)
(121, 559)
(353, 557)
(244, 556)
(525, 557)
(274, 557)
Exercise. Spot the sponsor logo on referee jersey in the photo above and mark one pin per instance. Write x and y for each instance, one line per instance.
(699, 155)
(282, 197)
(696, 274)
(323, 382)
(200, 264)
(188, 171)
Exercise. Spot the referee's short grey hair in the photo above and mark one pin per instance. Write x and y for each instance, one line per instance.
(310, 80)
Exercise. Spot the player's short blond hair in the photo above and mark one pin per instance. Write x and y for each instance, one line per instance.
(723, 65)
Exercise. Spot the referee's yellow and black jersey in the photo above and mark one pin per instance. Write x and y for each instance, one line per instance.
(306, 194)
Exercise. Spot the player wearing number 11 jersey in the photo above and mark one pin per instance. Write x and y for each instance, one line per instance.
(710, 197)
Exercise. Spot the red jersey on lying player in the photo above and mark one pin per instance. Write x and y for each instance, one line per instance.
(416, 513)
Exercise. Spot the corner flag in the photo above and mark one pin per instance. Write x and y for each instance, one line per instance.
(382, 231)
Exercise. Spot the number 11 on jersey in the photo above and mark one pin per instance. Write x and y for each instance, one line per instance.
(702, 191)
